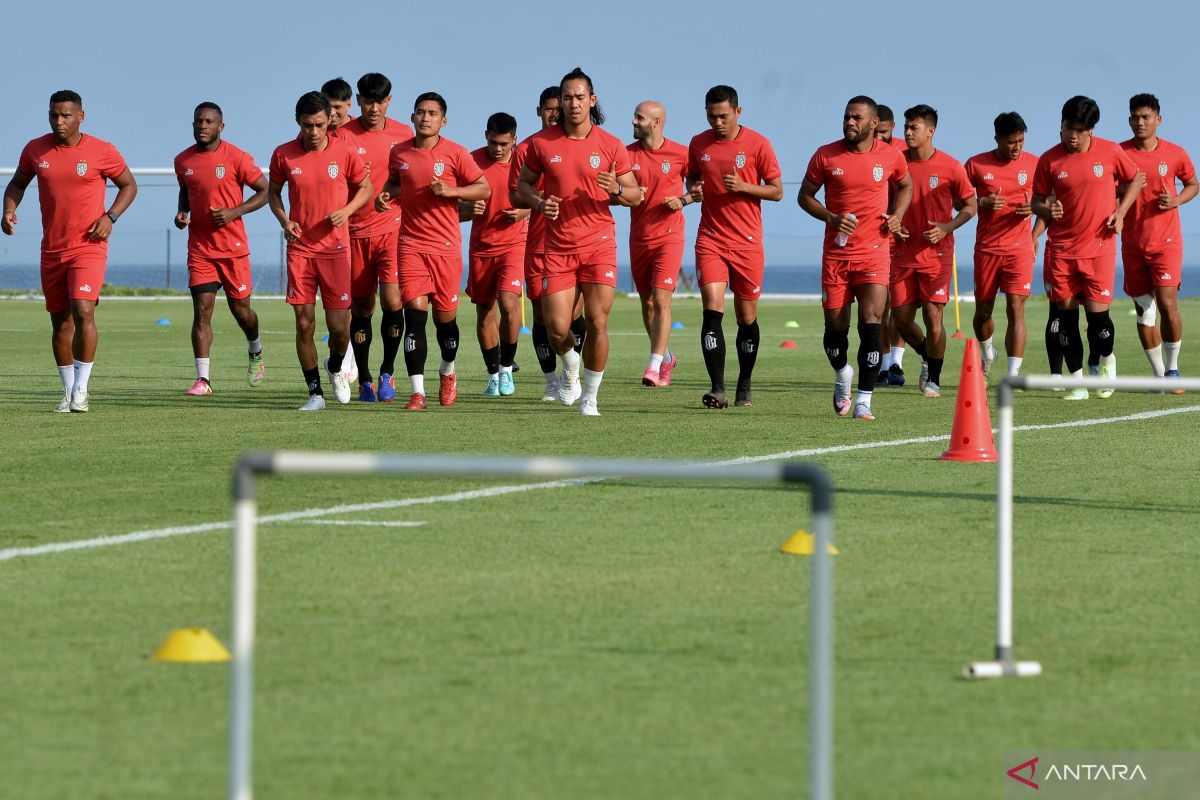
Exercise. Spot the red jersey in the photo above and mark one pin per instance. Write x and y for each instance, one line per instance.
(1001, 232)
(70, 182)
(732, 218)
(660, 172)
(318, 183)
(1086, 185)
(374, 148)
(858, 184)
(898, 143)
(1148, 229)
(569, 168)
(535, 239)
(937, 183)
(216, 179)
(492, 232)
(430, 223)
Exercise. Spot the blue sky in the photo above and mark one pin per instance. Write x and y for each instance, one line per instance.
(141, 68)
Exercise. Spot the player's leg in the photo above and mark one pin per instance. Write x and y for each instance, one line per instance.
(871, 298)
(987, 284)
(597, 304)
(372, 259)
(247, 319)
(83, 347)
(712, 275)
(445, 325)
(535, 264)
(1096, 277)
(935, 347)
(362, 312)
(416, 348)
(745, 279)
(487, 332)
(333, 278)
(509, 303)
(62, 328)
(1015, 335)
(558, 303)
(578, 324)
(836, 341)
(391, 331)
(641, 260)
(204, 297)
(306, 354)
(1167, 299)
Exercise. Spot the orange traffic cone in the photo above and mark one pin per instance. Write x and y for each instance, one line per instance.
(971, 435)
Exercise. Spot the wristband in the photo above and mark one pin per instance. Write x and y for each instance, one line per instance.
(111, 217)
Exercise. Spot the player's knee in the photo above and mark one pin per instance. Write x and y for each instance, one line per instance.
(1147, 310)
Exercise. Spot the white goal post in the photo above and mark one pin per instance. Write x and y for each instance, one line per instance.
(245, 568)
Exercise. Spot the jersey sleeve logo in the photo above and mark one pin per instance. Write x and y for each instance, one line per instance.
(1098, 170)
(220, 171)
(1022, 178)
(740, 160)
(933, 181)
(666, 167)
(81, 168)
(44, 165)
(1162, 169)
(877, 172)
(438, 169)
(705, 157)
(333, 170)
(187, 173)
(594, 161)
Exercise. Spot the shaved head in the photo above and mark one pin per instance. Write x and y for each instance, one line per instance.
(649, 119)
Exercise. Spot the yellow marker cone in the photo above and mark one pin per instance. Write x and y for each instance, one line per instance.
(190, 646)
(803, 543)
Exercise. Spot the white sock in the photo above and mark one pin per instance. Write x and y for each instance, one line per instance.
(254, 346)
(988, 349)
(1077, 374)
(417, 382)
(667, 355)
(845, 373)
(1172, 351)
(506, 369)
(885, 363)
(447, 368)
(655, 362)
(863, 398)
(551, 378)
(1155, 356)
(571, 361)
(897, 354)
(1108, 359)
(591, 383)
(67, 376)
(202, 368)
(1014, 364)
(83, 371)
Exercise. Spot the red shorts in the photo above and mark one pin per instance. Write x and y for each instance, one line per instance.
(741, 269)
(914, 284)
(565, 271)
(535, 266)
(330, 273)
(1011, 273)
(487, 276)
(72, 276)
(430, 275)
(1144, 271)
(372, 262)
(232, 273)
(839, 276)
(656, 265)
(1090, 278)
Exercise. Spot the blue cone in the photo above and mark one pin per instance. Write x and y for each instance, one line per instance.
(325, 338)
(676, 326)
(525, 331)
(162, 321)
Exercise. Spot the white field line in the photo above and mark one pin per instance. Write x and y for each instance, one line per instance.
(497, 491)
(365, 523)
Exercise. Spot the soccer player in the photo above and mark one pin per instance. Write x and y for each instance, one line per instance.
(338, 92)
(327, 182)
(213, 176)
(430, 175)
(497, 251)
(585, 168)
(656, 231)
(1005, 245)
(71, 169)
(373, 241)
(860, 173)
(1152, 242)
(731, 170)
(1075, 192)
(924, 259)
(886, 129)
(891, 365)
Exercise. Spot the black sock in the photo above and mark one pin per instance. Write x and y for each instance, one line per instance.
(391, 328)
(491, 359)
(579, 331)
(712, 342)
(1101, 334)
(1070, 340)
(836, 344)
(447, 338)
(747, 350)
(869, 341)
(313, 378)
(542, 348)
(935, 369)
(416, 348)
(508, 353)
(335, 361)
(919, 349)
(360, 341)
(1053, 345)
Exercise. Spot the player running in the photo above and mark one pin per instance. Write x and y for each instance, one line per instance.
(1152, 242)
(71, 169)
(213, 176)
(1075, 192)
(656, 231)
(497, 257)
(859, 174)
(320, 174)
(731, 170)
(1005, 245)
(338, 92)
(891, 364)
(430, 175)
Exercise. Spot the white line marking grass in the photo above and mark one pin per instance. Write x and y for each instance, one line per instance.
(498, 491)
(365, 523)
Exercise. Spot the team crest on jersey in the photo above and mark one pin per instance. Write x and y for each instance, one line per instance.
(1162, 169)
(594, 161)
(877, 172)
(1098, 170)
(333, 170)
(220, 171)
(187, 173)
(1022, 178)
(666, 167)
(362, 151)
(933, 181)
(740, 161)
(438, 169)
(81, 168)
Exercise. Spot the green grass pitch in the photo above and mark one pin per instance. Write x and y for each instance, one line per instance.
(613, 640)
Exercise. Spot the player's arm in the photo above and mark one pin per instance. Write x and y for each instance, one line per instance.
(770, 190)
(477, 190)
(361, 196)
(694, 186)
(966, 209)
(126, 191)
(183, 207)
(1047, 207)
(291, 230)
(626, 191)
(526, 195)
(1190, 189)
(13, 194)
(807, 199)
(1039, 227)
(224, 216)
(1128, 197)
(904, 192)
(391, 189)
